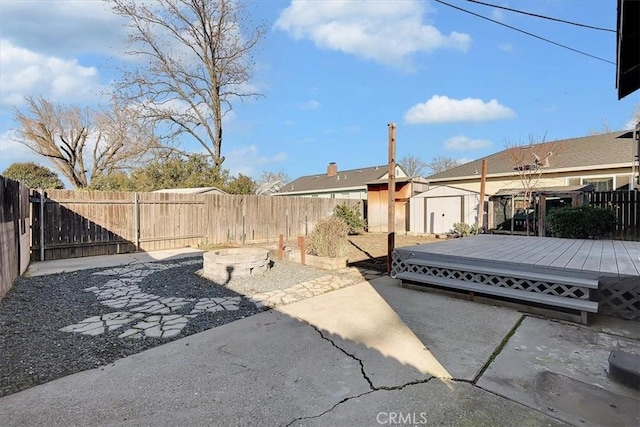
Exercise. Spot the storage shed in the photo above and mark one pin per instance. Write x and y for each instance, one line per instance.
(437, 209)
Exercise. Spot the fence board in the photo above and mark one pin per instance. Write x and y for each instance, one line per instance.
(14, 232)
(626, 205)
(79, 223)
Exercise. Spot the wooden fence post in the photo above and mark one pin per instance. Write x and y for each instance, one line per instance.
(281, 247)
(136, 209)
(42, 198)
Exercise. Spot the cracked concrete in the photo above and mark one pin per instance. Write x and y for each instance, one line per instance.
(342, 358)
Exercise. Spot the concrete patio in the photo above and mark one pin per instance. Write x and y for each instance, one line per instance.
(368, 354)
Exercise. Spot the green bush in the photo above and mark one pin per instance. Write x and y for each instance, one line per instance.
(351, 216)
(582, 222)
(329, 238)
(464, 229)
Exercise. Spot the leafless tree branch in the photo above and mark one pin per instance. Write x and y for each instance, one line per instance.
(197, 60)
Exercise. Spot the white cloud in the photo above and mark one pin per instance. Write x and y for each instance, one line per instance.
(62, 28)
(635, 118)
(12, 151)
(388, 32)
(442, 109)
(506, 47)
(310, 105)
(248, 161)
(26, 73)
(498, 15)
(462, 143)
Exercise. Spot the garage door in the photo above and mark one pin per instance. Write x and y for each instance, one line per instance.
(442, 213)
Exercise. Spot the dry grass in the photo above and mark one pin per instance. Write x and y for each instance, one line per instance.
(369, 250)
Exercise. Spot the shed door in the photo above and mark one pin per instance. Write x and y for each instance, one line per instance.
(442, 213)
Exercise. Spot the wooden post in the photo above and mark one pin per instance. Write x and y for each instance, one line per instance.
(136, 207)
(303, 250)
(391, 219)
(483, 182)
(281, 247)
(42, 199)
(542, 215)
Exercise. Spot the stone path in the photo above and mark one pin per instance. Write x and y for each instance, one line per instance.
(154, 316)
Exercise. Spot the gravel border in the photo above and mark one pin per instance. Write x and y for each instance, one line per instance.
(33, 350)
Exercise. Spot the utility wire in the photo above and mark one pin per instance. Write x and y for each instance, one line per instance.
(526, 32)
(577, 24)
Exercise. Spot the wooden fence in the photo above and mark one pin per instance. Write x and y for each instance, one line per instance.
(83, 223)
(626, 205)
(14, 232)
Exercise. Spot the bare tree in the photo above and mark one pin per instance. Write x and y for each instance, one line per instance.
(82, 143)
(268, 177)
(529, 160)
(413, 165)
(271, 182)
(196, 59)
(441, 164)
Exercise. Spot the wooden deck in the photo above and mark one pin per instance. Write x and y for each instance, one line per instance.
(587, 258)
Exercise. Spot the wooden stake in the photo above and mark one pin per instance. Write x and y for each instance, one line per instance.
(483, 182)
(303, 250)
(391, 219)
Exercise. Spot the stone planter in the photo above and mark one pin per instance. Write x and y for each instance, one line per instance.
(326, 263)
(221, 265)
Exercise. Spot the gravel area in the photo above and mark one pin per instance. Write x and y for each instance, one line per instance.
(33, 350)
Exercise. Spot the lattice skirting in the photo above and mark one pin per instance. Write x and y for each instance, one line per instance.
(619, 297)
(502, 281)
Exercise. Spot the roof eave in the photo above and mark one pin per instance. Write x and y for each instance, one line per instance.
(546, 171)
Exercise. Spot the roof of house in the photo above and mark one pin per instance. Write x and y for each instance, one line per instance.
(342, 180)
(195, 190)
(589, 152)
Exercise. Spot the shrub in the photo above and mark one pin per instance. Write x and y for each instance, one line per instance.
(464, 229)
(581, 222)
(351, 216)
(329, 238)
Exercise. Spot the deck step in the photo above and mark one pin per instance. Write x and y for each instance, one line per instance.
(552, 300)
(505, 272)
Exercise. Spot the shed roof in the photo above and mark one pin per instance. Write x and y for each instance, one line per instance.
(445, 191)
(589, 152)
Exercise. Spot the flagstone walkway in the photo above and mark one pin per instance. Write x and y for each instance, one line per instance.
(153, 316)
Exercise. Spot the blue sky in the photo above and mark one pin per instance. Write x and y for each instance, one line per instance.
(335, 73)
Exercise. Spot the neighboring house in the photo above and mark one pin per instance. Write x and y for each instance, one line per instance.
(604, 161)
(335, 184)
(269, 188)
(195, 190)
(436, 210)
(368, 185)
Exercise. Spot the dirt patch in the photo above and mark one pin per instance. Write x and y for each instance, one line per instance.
(370, 250)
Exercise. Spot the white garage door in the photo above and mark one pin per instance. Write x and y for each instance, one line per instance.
(442, 213)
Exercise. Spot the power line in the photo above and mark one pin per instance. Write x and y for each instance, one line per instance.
(527, 33)
(577, 24)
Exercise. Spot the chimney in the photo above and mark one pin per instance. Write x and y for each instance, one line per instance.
(332, 169)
